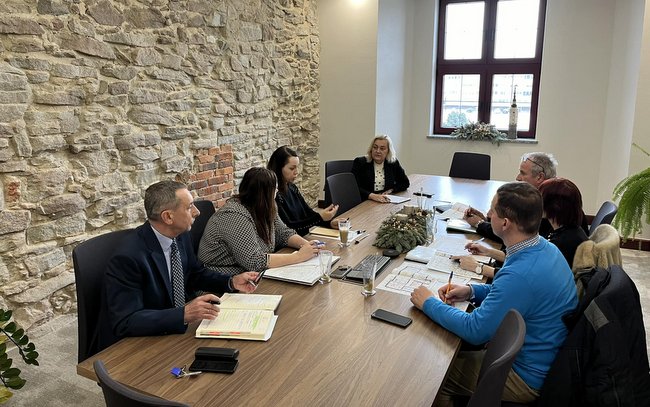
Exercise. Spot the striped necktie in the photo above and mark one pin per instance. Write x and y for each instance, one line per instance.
(177, 276)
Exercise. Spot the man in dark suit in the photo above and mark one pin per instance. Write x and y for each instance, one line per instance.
(155, 271)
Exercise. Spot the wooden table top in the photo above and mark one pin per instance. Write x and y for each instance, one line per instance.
(325, 349)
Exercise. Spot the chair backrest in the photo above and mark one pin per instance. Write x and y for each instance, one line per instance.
(207, 209)
(470, 165)
(605, 215)
(345, 191)
(501, 353)
(335, 167)
(119, 395)
(89, 260)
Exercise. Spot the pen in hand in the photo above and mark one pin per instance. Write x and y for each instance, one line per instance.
(451, 275)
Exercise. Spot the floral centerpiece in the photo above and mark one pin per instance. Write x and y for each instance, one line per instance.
(403, 231)
(479, 131)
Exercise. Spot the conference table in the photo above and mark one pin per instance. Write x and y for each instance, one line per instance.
(325, 348)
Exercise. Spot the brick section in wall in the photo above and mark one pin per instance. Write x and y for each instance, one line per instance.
(214, 178)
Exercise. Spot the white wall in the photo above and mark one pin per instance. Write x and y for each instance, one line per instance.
(348, 74)
(624, 75)
(588, 92)
(641, 132)
(394, 62)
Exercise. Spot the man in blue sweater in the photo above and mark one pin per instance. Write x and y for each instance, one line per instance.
(535, 280)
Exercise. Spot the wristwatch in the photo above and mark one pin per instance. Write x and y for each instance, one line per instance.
(479, 269)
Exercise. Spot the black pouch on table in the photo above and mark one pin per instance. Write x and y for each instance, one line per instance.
(215, 360)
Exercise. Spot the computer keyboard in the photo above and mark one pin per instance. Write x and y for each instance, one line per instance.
(357, 271)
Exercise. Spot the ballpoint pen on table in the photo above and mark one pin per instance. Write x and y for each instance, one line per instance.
(360, 239)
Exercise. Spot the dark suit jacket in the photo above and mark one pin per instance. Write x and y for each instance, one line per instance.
(394, 176)
(138, 296)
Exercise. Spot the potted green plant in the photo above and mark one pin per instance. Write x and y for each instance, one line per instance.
(634, 203)
(479, 131)
(10, 376)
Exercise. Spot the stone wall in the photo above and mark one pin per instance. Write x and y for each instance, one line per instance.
(100, 98)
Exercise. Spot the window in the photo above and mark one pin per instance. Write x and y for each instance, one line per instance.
(486, 50)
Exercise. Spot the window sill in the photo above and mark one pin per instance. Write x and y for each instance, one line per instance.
(508, 141)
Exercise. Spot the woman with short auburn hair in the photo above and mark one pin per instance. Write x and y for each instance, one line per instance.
(562, 202)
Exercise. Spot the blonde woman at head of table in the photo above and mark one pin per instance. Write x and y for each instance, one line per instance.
(379, 172)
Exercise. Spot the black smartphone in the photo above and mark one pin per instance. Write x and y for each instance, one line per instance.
(340, 271)
(391, 318)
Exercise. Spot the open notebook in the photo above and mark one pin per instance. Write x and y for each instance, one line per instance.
(307, 272)
(242, 316)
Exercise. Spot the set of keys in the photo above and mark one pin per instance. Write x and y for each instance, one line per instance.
(180, 372)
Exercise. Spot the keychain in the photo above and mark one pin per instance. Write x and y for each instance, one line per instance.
(179, 372)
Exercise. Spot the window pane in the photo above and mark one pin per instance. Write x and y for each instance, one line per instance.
(459, 100)
(502, 88)
(464, 30)
(516, 29)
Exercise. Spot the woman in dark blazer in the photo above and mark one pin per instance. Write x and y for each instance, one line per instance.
(379, 173)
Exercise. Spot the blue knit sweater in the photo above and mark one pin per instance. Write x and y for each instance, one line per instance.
(535, 281)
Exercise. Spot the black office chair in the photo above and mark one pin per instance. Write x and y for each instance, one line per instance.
(501, 353)
(207, 209)
(470, 165)
(335, 167)
(89, 260)
(344, 190)
(118, 395)
(605, 215)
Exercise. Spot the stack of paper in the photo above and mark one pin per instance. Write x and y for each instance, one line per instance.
(457, 211)
(409, 276)
(460, 225)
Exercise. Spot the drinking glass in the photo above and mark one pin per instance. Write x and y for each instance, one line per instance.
(325, 262)
(431, 227)
(369, 274)
(344, 230)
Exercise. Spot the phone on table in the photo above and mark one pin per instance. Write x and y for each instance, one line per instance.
(391, 318)
(340, 271)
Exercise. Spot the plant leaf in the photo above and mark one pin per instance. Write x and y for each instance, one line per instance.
(13, 372)
(6, 316)
(5, 364)
(11, 327)
(5, 394)
(16, 383)
(18, 334)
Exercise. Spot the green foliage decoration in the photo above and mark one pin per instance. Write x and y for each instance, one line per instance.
(403, 232)
(634, 194)
(10, 376)
(456, 119)
(479, 131)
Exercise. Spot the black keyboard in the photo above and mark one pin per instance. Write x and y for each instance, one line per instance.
(357, 271)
